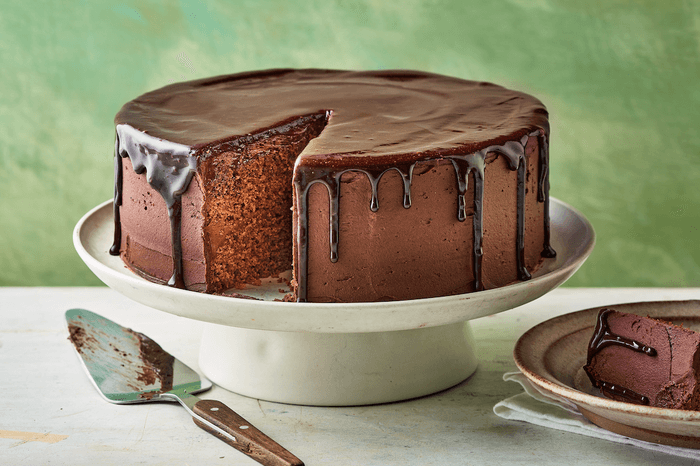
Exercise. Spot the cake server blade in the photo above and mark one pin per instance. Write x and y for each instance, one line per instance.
(128, 367)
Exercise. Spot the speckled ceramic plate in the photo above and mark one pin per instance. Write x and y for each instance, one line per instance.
(552, 355)
(572, 237)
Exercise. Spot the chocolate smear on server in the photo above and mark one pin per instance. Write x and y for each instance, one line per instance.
(434, 118)
(79, 338)
(603, 337)
(157, 363)
(152, 366)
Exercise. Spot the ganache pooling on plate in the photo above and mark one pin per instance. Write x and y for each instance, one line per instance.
(603, 337)
(400, 111)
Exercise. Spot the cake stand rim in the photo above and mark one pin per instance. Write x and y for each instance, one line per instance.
(329, 317)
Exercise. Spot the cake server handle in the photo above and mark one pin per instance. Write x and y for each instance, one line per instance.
(242, 435)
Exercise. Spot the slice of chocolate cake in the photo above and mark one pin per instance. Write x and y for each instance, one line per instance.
(645, 361)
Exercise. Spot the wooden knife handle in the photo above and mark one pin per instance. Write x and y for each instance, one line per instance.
(249, 440)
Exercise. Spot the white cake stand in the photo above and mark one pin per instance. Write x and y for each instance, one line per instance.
(335, 354)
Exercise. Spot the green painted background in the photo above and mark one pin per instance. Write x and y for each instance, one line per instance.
(620, 78)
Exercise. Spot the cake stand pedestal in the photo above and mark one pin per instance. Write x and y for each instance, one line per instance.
(336, 354)
(334, 369)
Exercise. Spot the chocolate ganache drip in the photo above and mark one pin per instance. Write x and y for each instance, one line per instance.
(169, 168)
(617, 391)
(543, 192)
(602, 337)
(400, 118)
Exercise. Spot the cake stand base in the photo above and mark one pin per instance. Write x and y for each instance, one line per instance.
(337, 369)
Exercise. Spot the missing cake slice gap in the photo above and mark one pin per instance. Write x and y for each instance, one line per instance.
(247, 211)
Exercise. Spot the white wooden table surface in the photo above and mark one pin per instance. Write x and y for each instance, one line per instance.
(51, 414)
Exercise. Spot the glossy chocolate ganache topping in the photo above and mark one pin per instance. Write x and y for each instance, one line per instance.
(375, 122)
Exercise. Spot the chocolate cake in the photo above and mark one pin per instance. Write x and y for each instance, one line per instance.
(370, 186)
(645, 361)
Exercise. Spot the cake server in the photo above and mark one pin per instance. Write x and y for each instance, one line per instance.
(128, 367)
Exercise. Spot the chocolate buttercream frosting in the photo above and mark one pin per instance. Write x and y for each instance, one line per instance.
(375, 122)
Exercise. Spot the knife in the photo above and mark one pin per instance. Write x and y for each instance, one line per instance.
(128, 367)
